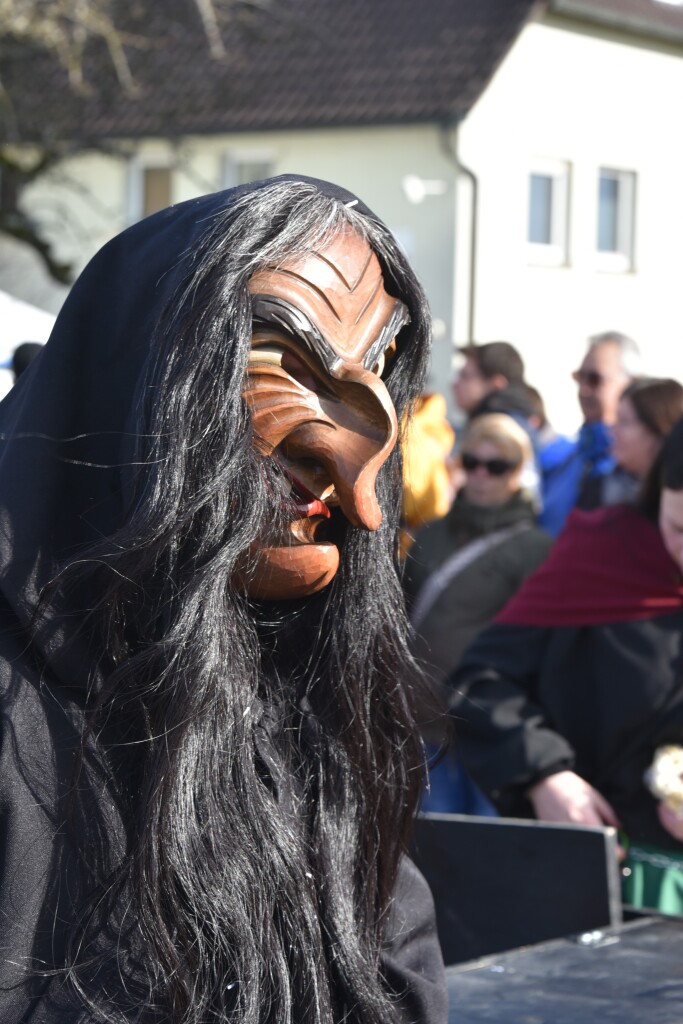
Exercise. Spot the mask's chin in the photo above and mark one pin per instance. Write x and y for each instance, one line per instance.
(292, 571)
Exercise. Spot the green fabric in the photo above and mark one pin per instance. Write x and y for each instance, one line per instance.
(653, 878)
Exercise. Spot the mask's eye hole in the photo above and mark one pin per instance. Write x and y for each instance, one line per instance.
(385, 360)
(271, 354)
(300, 372)
(268, 348)
(276, 355)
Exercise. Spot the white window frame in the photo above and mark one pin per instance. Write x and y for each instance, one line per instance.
(621, 259)
(135, 195)
(232, 159)
(556, 252)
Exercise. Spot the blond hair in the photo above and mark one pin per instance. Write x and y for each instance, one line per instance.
(501, 430)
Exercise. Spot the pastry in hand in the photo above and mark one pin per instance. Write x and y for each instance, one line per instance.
(664, 777)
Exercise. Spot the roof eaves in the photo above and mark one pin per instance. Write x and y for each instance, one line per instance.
(439, 118)
(584, 10)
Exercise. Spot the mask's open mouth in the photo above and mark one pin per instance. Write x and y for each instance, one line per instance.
(312, 518)
(305, 502)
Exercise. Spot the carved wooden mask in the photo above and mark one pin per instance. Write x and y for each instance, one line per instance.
(324, 329)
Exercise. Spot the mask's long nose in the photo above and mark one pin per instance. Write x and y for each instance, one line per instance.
(352, 442)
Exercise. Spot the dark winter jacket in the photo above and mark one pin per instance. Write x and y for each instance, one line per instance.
(474, 596)
(42, 885)
(584, 671)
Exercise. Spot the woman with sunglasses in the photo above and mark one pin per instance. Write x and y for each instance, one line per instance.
(563, 704)
(463, 568)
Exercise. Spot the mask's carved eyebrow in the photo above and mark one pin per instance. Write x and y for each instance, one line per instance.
(399, 318)
(272, 309)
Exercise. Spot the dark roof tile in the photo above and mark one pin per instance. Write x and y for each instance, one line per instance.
(288, 63)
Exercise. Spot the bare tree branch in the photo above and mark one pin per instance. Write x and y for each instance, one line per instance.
(64, 28)
(210, 21)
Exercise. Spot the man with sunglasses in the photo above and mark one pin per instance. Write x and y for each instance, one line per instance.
(610, 364)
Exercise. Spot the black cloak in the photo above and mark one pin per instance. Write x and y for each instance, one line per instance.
(66, 446)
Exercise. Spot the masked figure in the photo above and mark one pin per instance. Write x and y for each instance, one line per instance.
(209, 755)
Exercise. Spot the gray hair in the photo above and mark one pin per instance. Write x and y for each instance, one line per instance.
(629, 353)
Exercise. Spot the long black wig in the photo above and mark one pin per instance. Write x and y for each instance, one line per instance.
(263, 757)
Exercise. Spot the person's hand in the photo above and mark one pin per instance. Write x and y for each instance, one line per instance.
(670, 821)
(566, 797)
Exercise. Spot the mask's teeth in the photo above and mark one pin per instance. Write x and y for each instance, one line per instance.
(304, 530)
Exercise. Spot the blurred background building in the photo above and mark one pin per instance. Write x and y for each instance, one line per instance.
(527, 154)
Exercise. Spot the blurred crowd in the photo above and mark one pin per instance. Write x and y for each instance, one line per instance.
(544, 579)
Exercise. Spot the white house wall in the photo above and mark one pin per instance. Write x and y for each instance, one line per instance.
(78, 206)
(90, 198)
(594, 102)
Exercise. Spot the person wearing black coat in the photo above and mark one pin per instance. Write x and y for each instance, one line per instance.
(563, 703)
(463, 568)
(209, 760)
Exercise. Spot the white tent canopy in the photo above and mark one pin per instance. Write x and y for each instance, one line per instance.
(19, 322)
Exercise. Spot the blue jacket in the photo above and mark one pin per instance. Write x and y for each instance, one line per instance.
(565, 464)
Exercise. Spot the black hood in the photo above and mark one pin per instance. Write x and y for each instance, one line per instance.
(69, 429)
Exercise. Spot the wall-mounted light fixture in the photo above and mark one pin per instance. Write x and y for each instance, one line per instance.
(417, 189)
